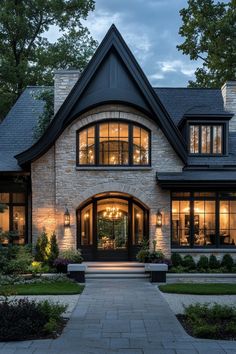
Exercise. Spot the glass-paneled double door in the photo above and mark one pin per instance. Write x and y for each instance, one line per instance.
(112, 228)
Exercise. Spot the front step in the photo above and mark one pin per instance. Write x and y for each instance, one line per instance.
(116, 276)
(115, 270)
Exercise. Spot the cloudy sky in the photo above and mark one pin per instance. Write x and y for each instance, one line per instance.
(150, 28)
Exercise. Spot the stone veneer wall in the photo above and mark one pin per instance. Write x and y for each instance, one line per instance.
(43, 194)
(64, 81)
(229, 96)
(57, 182)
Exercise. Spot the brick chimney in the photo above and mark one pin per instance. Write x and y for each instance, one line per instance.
(229, 96)
(64, 81)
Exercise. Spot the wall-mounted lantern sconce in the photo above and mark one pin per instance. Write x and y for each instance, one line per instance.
(159, 218)
(66, 218)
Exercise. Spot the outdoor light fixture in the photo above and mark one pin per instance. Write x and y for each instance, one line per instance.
(159, 219)
(66, 218)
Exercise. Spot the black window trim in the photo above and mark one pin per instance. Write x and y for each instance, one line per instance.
(211, 123)
(11, 204)
(131, 124)
(217, 198)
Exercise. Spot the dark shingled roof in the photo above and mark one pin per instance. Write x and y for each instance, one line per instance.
(181, 101)
(16, 130)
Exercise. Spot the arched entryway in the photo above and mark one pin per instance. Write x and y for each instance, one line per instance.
(111, 227)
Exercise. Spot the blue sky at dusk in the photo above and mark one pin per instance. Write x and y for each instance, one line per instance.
(150, 28)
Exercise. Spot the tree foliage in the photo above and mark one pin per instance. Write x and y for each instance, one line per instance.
(47, 95)
(209, 32)
(26, 55)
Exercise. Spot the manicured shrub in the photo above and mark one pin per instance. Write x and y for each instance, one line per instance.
(230, 328)
(176, 259)
(66, 257)
(22, 319)
(178, 269)
(213, 262)
(61, 265)
(216, 322)
(205, 330)
(227, 262)
(42, 248)
(203, 263)
(37, 268)
(74, 256)
(54, 249)
(146, 256)
(188, 262)
(143, 256)
(156, 257)
(17, 260)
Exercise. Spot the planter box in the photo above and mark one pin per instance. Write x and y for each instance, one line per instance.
(77, 272)
(157, 272)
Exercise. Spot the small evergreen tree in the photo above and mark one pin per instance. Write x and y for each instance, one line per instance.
(42, 248)
(227, 262)
(203, 263)
(176, 260)
(213, 262)
(54, 249)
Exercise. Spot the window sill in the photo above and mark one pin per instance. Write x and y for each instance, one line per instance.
(114, 168)
(231, 249)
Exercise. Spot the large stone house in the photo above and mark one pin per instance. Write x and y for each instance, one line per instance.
(121, 162)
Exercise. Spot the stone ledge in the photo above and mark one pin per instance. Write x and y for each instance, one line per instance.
(113, 168)
(201, 275)
(203, 250)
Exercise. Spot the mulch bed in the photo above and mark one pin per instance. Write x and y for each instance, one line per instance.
(42, 335)
(188, 328)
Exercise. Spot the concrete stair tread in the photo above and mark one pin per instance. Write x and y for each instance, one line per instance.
(114, 264)
(118, 270)
(115, 270)
(113, 275)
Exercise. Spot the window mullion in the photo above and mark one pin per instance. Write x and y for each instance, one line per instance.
(97, 138)
(200, 139)
(130, 138)
(211, 140)
(217, 221)
(191, 222)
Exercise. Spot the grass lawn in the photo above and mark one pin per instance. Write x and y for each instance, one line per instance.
(47, 288)
(199, 289)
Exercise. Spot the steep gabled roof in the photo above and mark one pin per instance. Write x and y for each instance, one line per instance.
(116, 67)
(16, 130)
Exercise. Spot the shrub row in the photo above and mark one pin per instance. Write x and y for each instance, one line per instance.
(204, 264)
(25, 319)
(214, 322)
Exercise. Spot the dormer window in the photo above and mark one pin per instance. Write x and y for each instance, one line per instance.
(206, 139)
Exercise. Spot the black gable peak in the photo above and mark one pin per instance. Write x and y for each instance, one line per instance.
(112, 75)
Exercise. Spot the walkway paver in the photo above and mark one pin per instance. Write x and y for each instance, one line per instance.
(125, 317)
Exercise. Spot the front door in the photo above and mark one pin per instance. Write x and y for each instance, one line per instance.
(111, 228)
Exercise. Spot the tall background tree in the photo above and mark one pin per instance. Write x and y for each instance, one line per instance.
(26, 55)
(209, 32)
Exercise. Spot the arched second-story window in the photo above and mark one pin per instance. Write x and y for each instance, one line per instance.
(113, 143)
